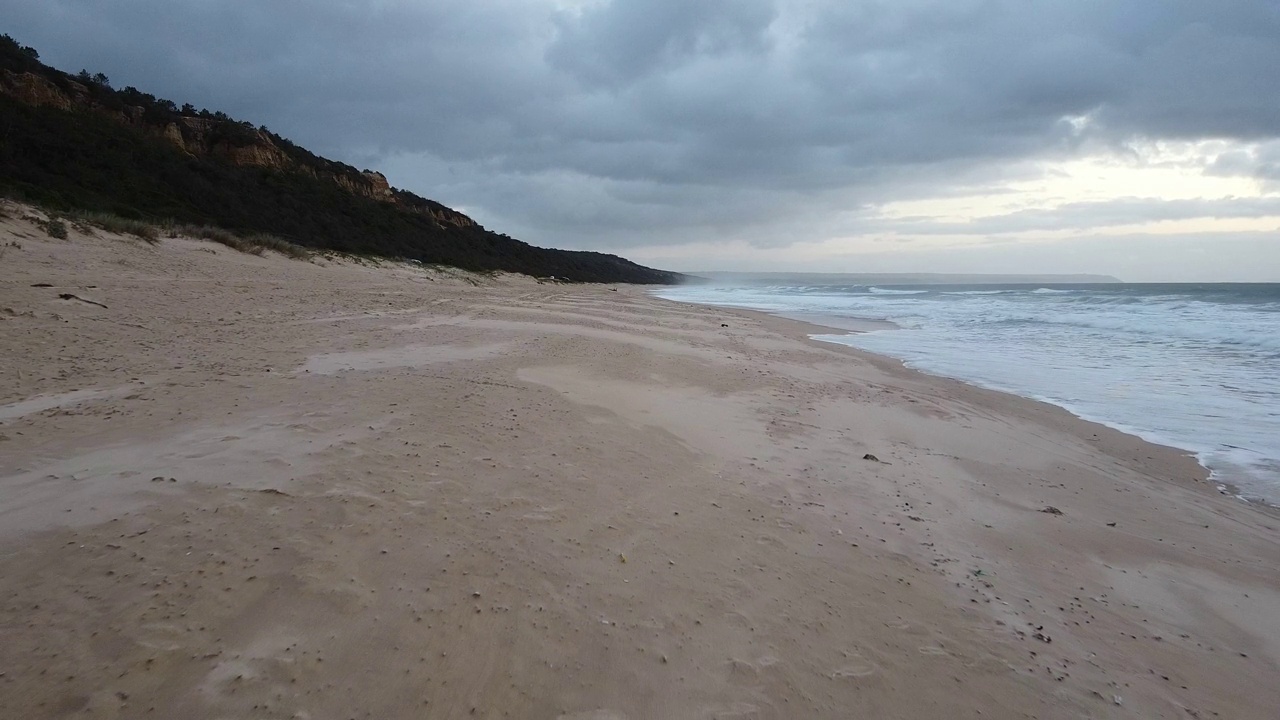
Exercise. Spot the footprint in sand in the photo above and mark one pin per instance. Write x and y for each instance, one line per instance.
(765, 661)
(852, 672)
(770, 540)
(751, 669)
(857, 666)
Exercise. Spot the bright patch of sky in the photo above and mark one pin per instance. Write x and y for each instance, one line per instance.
(1164, 171)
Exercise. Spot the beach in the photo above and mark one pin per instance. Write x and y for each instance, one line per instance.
(250, 486)
(1189, 365)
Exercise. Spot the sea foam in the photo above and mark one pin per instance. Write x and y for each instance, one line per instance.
(1192, 366)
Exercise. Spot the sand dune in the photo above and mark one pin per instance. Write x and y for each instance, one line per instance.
(257, 487)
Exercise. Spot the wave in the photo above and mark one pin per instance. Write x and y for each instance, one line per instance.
(1205, 330)
(890, 291)
(1188, 366)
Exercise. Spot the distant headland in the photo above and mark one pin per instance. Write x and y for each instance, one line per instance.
(773, 278)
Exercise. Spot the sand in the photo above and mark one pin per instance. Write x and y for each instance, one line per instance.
(259, 487)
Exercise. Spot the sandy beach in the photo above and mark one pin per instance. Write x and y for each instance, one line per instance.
(243, 486)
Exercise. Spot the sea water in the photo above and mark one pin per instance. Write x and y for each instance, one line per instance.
(1192, 366)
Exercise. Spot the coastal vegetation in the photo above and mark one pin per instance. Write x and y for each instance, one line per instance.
(75, 144)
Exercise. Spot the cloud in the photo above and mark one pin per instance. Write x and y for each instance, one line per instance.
(619, 43)
(1089, 215)
(619, 123)
(1199, 257)
(1260, 161)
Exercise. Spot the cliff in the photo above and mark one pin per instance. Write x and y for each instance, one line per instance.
(75, 142)
(225, 139)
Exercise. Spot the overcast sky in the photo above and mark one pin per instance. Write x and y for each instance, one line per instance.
(1139, 138)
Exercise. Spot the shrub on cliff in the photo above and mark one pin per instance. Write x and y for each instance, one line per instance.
(113, 152)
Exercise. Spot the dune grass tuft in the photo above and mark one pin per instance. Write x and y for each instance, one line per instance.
(280, 245)
(116, 224)
(255, 244)
(55, 228)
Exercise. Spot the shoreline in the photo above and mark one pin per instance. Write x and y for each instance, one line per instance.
(252, 486)
(817, 322)
(854, 326)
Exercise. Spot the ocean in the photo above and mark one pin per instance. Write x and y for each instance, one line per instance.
(1193, 366)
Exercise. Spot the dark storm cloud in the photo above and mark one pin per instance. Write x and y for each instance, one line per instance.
(619, 43)
(605, 124)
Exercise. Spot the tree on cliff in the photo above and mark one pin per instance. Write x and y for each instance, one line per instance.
(77, 143)
(10, 46)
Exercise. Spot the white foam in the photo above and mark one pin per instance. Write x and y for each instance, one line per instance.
(890, 291)
(1194, 369)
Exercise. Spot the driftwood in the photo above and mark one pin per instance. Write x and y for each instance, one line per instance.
(69, 296)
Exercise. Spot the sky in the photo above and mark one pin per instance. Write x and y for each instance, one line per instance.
(1136, 138)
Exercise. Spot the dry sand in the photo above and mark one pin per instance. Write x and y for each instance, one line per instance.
(258, 487)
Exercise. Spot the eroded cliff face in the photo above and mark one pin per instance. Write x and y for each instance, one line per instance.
(199, 136)
(35, 90)
(225, 140)
(368, 183)
(448, 216)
